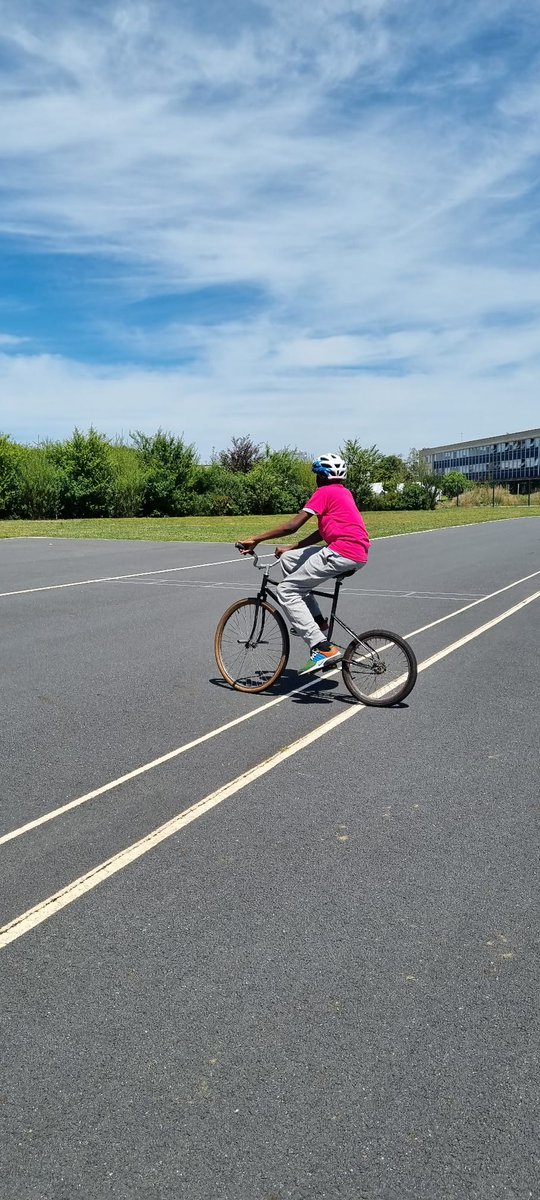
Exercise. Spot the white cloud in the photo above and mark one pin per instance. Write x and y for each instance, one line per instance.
(44, 396)
(8, 340)
(381, 203)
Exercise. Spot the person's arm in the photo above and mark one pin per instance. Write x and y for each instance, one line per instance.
(312, 539)
(247, 545)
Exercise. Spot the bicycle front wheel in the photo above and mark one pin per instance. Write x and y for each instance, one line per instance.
(379, 668)
(251, 645)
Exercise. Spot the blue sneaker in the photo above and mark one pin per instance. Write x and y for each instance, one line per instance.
(321, 658)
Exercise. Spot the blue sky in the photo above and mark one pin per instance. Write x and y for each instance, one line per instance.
(301, 221)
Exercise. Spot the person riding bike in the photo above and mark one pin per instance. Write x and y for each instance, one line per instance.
(305, 567)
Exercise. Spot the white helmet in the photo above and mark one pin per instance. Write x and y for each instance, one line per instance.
(330, 465)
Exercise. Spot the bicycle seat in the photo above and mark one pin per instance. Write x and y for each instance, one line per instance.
(345, 574)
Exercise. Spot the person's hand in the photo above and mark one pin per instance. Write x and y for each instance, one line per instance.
(248, 546)
(279, 550)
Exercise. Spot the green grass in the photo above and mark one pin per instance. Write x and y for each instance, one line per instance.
(231, 529)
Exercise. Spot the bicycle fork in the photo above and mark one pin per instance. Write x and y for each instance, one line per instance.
(253, 641)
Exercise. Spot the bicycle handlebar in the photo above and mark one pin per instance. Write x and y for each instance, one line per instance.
(255, 557)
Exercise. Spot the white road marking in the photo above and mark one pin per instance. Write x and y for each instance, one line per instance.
(466, 607)
(85, 883)
(388, 593)
(112, 578)
(398, 592)
(385, 537)
(156, 762)
(212, 733)
(193, 583)
(52, 587)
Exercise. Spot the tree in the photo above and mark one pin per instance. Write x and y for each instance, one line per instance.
(85, 476)
(169, 467)
(281, 481)
(418, 472)
(241, 455)
(453, 484)
(392, 470)
(167, 449)
(363, 469)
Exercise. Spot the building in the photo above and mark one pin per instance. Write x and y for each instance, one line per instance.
(512, 458)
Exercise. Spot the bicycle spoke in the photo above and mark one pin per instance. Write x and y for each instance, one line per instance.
(251, 647)
(378, 670)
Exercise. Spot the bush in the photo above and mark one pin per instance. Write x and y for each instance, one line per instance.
(231, 487)
(185, 504)
(159, 475)
(10, 478)
(84, 473)
(215, 504)
(39, 491)
(385, 502)
(128, 481)
(169, 470)
(211, 479)
(281, 482)
(160, 496)
(414, 496)
(267, 492)
(483, 496)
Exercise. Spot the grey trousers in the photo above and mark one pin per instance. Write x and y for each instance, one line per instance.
(305, 570)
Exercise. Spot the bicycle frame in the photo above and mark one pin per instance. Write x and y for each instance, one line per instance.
(365, 656)
(265, 592)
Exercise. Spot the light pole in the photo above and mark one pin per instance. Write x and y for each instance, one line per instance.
(493, 452)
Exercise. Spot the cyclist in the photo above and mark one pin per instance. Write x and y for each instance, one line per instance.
(305, 566)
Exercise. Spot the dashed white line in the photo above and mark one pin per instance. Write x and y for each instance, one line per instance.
(52, 587)
(192, 567)
(386, 593)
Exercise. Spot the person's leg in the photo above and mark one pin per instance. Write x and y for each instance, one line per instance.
(310, 570)
(290, 562)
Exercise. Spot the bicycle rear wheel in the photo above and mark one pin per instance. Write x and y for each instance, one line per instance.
(251, 645)
(379, 668)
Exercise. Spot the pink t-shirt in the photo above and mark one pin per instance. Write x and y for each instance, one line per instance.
(340, 523)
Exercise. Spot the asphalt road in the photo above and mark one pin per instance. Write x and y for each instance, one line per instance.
(326, 985)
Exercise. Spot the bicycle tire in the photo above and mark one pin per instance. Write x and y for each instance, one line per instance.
(385, 696)
(251, 682)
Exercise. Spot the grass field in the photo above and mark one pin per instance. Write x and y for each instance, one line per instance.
(230, 529)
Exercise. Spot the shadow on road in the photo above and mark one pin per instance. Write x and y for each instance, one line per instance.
(326, 692)
(286, 684)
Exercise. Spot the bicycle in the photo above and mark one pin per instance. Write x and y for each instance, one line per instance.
(251, 646)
